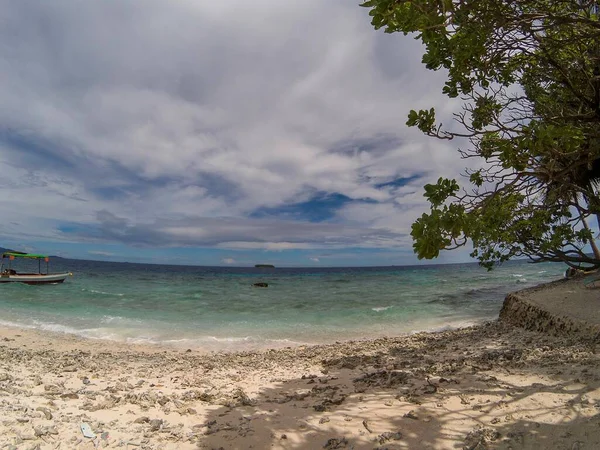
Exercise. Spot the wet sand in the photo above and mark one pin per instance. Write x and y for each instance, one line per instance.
(496, 385)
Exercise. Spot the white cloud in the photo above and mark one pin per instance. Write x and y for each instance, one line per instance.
(169, 114)
(100, 253)
(228, 261)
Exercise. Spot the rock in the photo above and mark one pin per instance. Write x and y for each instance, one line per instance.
(261, 285)
(242, 398)
(5, 377)
(388, 436)
(156, 424)
(334, 443)
(411, 415)
(479, 438)
(143, 419)
(52, 389)
(70, 396)
(323, 420)
(46, 412)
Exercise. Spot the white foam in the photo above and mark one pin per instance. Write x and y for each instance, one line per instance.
(381, 308)
(119, 319)
(447, 327)
(229, 339)
(93, 291)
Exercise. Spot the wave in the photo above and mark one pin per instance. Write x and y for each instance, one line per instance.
(93, 291)
(449, 327)
(381, 308)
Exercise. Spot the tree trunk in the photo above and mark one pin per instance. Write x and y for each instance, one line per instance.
(593, 240)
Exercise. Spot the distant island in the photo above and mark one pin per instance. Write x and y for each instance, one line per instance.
(264, 266)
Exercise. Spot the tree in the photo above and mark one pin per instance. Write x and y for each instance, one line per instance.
(528, 72)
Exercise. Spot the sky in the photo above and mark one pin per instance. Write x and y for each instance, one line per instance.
(214, 133)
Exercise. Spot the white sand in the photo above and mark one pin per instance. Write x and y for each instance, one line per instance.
(492, 386)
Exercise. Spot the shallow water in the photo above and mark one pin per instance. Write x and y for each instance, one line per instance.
(217, 308)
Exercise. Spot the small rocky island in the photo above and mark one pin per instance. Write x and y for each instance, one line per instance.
(264, 266)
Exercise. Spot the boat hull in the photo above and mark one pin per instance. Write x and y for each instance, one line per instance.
(28, 278)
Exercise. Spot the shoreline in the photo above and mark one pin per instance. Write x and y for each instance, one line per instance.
(488, 386)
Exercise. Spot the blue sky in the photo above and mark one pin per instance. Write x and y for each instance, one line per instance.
(219, 133)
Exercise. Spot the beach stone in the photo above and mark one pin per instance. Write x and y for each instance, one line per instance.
(143, 419)
(5, 377)
(411, 415)
(366, 425)
(479, 438)
(70, 396)
(334, 443)
(156, 424)
(45, 411)
(52, 389)
(389, 436)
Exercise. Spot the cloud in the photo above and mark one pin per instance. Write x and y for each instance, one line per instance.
(222, 124)
(100, 253)
(228, 260)
(314, 259)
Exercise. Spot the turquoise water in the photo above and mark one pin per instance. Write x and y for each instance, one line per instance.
(219, 309)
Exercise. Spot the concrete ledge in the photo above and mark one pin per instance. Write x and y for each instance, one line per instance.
(565, 308)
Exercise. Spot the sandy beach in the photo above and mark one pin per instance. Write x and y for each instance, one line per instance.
(496, 385)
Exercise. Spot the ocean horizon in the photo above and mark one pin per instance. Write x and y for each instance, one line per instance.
(220, 309)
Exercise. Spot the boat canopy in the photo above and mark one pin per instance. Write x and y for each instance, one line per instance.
(23, 255)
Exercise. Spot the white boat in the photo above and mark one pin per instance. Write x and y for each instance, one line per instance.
(10, 275)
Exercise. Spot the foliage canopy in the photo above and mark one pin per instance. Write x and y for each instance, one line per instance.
(528, 72)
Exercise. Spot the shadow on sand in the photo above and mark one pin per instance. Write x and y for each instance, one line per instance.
(470, 389)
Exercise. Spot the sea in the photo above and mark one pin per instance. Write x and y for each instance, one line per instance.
(220, 309)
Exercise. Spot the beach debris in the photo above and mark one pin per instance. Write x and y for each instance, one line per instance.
(381, 378)
(479, 438)
(156, 424)
(242, 398)
(52, 389)
(70, 395)
(334, 443)
(5, 377)
(366, 425)
(86, 430)
(45, 411)
(389, 436)
(261, 285)
(411, 415)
